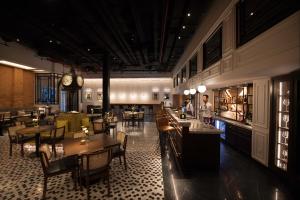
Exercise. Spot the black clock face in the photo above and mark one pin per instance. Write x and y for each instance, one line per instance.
(67, 80)
(80, 81)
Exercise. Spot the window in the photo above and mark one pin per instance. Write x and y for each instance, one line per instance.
(254, 17)
(193, 66)
(183, 75)
(46, 88)
(212, 49)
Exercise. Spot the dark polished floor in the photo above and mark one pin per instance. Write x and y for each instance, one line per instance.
(239, 177)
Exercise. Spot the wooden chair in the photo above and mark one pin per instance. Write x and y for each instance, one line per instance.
(140, 118)
(57, 167)
(95, 164)
(18, 139)
(126, 118)
(98, 127)
(58, 136)
(120, 151)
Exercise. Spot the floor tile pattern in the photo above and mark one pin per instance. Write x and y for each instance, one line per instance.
(22, 178)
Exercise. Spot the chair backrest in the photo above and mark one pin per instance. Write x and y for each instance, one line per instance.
(162, 121)
(45, 156)
(13, 129)
(98, 126)
(96, 160)
(122, 138)
(141, 115)
(85, 122)
(60, 132)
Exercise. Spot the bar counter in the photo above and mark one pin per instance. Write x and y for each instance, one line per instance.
(194, 144)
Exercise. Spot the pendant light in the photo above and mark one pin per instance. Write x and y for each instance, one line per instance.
(201, 88)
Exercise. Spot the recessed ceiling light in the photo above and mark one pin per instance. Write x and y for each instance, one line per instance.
(188, 14)
(252, 13)
(183, 27)
(179, 37)
(4, 62)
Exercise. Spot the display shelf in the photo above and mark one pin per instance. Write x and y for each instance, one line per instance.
(236, 99)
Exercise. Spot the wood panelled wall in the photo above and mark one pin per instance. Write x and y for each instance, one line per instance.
(16, 88)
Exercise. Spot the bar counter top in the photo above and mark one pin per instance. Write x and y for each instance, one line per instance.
(195, 126)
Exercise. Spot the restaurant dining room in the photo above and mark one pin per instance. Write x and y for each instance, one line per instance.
(152, 99)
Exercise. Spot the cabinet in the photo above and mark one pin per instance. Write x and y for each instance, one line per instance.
(239, 138)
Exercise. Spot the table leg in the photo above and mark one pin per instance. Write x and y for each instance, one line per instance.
(37, 144)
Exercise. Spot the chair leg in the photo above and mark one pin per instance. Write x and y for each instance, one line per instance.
(124, 157)
(54, 149)
(120, 160)
(45, 188)
(10, 149)
(22, 149)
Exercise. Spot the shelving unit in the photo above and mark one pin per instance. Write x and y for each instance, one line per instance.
(234, 103)
(282, 124)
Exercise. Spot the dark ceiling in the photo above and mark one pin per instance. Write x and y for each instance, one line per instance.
(138, 35)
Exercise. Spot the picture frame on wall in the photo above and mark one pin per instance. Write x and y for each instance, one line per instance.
(88, 96)
(99, 96)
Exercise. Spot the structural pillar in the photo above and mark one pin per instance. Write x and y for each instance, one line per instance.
(105, 84)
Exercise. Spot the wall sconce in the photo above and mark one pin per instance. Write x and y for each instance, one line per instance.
(201, 88)
(186, 92)
(193, 91)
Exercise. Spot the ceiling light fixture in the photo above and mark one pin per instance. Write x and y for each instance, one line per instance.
(50, 41)
(38, 70)
(4, 62)
(188, 14)
(252, 13)
(88, 49)
(179, 37)
(186, 92)
(183, 27)
(201, 88)
(193, 91)
(18, 40)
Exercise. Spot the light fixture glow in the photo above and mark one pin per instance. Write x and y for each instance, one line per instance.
(186, 92)
(193, 91)
(201, 88)
(38, 70)
(188, 14)
(4, 62)
(155, 89)
(183, 27)
(179, 37)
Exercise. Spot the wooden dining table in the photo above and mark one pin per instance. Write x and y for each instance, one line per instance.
(92, 144)
(35, 130)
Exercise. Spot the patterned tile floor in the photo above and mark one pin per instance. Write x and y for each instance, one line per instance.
(22, 178)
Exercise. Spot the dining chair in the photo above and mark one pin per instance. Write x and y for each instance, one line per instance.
(18, 139)
(140, 118)
(95, 164)
(58, 136)
(120, 151)
(126, 117)
(57, 167)
(98, 127)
